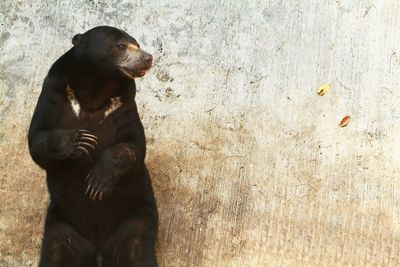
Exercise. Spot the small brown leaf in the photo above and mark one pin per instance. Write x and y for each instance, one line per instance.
(345, 121)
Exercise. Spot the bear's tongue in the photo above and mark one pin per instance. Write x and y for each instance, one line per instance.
(143, 72)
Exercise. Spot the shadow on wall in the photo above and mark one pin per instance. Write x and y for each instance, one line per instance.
(199, 182)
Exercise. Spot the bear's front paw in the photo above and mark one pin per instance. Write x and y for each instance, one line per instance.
(72, 143)
(100, 183)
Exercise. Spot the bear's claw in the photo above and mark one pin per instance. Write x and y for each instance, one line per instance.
(81, 144)
(87, 177)
(87, 189)
(93, 194)
(88, 137)
(87, 140)
(83, 150)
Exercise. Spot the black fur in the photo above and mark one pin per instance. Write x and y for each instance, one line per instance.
(115, 222)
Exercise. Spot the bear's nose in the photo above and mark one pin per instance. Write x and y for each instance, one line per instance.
(147, 58)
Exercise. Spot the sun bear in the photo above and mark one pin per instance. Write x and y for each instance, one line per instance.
(87, 135)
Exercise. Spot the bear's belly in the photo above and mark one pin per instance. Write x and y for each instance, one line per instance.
(94, 219)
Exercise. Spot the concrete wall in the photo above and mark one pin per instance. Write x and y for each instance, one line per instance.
(248, 163)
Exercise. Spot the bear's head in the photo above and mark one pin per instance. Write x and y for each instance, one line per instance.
(107, 50)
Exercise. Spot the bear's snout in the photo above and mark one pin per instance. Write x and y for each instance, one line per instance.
(147, 58)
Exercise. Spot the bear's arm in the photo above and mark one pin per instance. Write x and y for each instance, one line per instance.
(126, 155)
(48, 145)
(43, 121)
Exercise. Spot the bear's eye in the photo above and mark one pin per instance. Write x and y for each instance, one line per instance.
(122, 46)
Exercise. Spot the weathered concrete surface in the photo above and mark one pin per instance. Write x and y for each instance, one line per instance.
(249, 165)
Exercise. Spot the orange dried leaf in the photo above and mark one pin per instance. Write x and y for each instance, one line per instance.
(345, 121)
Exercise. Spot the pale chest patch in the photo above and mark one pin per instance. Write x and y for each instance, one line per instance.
(116, 103)
(76, 108)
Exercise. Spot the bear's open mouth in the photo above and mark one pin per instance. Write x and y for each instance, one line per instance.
(133, 74)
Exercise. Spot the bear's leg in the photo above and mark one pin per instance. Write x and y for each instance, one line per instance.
(64, 246)
(132, 244)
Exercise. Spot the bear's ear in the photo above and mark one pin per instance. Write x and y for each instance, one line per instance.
(76, 39)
